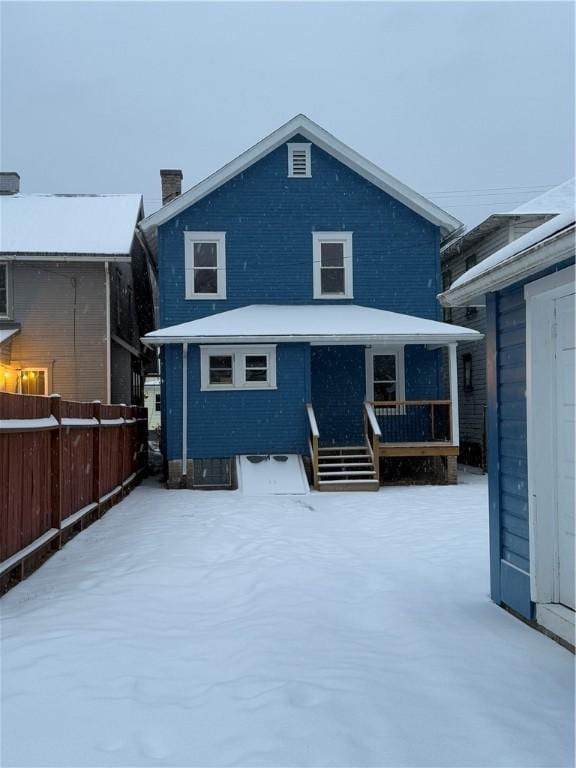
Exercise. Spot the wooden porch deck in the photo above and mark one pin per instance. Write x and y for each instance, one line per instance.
(388, 427)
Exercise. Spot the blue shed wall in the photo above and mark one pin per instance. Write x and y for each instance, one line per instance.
(269, 219)
(507, 446)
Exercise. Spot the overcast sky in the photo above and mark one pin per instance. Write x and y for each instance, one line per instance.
(471, 99)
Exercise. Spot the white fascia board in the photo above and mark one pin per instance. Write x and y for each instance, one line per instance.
(342, 340)
(330, 144)
(536, 259)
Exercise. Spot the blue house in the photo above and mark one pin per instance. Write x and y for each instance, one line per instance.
(298, 315)
(528, 290)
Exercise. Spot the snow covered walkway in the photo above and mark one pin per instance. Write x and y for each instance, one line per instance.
(214, 629)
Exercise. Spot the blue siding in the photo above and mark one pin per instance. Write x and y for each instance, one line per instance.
(338, 393)
(269, 219)
(229, 423)
(507, 446)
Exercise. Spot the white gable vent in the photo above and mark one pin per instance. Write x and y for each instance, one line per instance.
(299, 160)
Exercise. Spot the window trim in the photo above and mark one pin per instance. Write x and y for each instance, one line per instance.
(333, 237)
(190, 238)
(7, 314)
(238, 354)
(292, 147)
(398, 352)
(36, 369)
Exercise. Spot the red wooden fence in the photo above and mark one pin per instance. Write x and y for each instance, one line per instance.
(62, 462)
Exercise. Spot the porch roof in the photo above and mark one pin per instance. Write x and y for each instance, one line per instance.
(328, 324)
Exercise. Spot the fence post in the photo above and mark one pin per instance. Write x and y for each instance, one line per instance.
(96, 458)
(123, 442)
(56, 464)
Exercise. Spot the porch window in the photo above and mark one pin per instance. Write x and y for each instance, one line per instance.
(332, 253)
(250, 367)
(385, 374)
(205, 265)
(33, 381)
(3, 290)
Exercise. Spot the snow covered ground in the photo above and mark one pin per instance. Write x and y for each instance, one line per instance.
(215, 629)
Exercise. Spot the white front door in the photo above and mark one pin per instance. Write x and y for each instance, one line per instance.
(565, 439)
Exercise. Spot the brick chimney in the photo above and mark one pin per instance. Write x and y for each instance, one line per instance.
(171, 184)
(9, 183)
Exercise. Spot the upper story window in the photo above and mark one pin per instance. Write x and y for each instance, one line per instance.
(3, 290)
(299, 161)
(250, 367)
(205, 255)
(332, 254)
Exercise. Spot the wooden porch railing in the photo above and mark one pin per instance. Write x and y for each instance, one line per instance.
(313, 438)
(373, 434)
(414, 421)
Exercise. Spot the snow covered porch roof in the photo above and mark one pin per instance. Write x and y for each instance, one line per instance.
(329, 324)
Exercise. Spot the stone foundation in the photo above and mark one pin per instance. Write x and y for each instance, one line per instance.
(452, 470)
(175, 478)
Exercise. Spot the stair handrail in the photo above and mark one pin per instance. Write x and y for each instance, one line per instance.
(373, 434)
(313, 440)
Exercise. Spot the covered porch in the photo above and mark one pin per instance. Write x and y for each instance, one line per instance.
(349, 446)
(345, 386)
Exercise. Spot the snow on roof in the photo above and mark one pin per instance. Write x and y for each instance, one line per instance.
(345, 323)
(556, 200)
(516, 247)
(6, 334)
(95, 224)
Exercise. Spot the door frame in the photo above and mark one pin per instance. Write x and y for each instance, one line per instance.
(540, 297)
(386, 349)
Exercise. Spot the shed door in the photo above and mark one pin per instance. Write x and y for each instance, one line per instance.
(565, 432)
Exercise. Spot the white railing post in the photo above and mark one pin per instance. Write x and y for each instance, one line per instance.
(453, 370)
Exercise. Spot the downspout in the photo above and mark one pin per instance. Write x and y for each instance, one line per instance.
(453, 368)
(184, 408)
(108, 337)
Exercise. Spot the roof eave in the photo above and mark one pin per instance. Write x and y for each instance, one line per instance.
(326, 141)
(557, 248)
(385, 338)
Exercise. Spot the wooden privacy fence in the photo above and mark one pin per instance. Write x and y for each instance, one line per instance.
(62, 465)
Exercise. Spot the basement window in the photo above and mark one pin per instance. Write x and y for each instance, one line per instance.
(299, 166)
(247, 367)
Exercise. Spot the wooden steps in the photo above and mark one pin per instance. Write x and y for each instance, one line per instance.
(346, 468)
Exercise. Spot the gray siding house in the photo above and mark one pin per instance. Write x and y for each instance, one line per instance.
(77, 291)
(457, 257)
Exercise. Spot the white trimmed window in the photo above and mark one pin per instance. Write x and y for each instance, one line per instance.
(332, 254)
(205, 256)
(4, 290)
(251, 367)
(34, 381)
(299, 165)
(385, 374)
